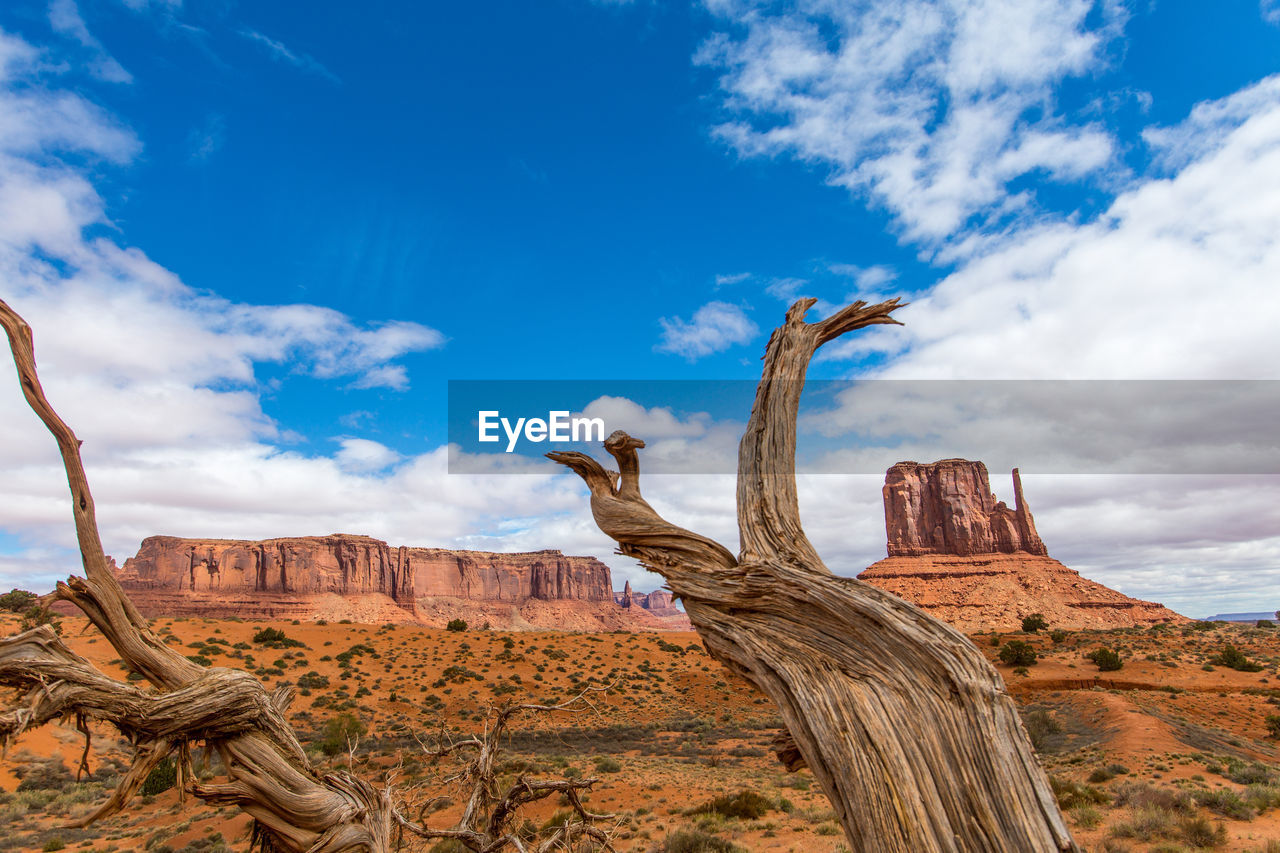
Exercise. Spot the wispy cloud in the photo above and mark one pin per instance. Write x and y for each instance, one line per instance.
(725, 280)
(280, 52)
(929, 108)
(714, 327)
(204, 141)
(65, 18)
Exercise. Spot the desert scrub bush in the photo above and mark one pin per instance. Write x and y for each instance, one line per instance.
(1142, 795)
(276, 639)
(161, 778)
(1272, 723)
(339, 730)
(745, 804)
(456, 625)
(1018, 653)
(1262, 797)
(1040, 726)
(607, 764)
(1252, 773)
(1058, 637)
(696, 841)
(1197, 831)
(1147, 823)
(1033, 623)
(1224, 802)
(1107, 660)
(17, 600)
(1233, 658)
(1085, 816)
(1072, 794)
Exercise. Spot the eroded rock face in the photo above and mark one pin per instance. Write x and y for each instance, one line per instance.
(968, 559)
(948, 507)
(482, 575)
(360, 565)
(311, 565)
(659, 602)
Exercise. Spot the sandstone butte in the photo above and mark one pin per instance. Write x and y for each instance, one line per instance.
(345, 576)
(970, 560)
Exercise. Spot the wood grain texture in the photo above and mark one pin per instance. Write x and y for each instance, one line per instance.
(901, 719)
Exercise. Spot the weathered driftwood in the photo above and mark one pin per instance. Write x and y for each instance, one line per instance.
(903, 722)
(294, 805)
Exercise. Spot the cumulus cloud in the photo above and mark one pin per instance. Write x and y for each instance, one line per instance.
(930, 108)
(714, 328)
(1174, 281)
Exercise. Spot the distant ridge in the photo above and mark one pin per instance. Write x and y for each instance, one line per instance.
(1241, 617)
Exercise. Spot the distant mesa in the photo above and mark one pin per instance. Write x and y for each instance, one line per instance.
(971, 560)
(345, 576)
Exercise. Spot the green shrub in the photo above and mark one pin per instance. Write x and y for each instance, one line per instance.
(17, 600)
(161, 778)
(457, 625)
(1107, 660)
(1058, 636)
(53, 844)
(1272, 722)
(1233, 658)
(1018, 653)
(1033, 623)
(340, 729)
(607, 764)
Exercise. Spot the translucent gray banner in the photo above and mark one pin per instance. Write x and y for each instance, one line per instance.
(865, 426)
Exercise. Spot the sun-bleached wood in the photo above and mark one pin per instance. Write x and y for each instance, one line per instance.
(903, 722)
(296, 807)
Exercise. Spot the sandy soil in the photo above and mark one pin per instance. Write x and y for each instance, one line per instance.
(676, 730)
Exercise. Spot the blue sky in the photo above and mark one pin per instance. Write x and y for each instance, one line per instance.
(283, 234)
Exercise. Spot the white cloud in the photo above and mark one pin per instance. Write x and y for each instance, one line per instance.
(714, 327)
(1270, 10)
(363, 455)
(929, 107)
(724, 280)
(1175, 281)
(280, 52)
(65, 18)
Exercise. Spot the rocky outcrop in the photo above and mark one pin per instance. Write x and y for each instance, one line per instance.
(968, 559)
(367, 580)
(487, 576)
(659, 602)
(311, 565)
(948, 507)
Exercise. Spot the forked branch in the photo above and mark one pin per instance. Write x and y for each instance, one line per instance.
(901, 719)
(295, 808)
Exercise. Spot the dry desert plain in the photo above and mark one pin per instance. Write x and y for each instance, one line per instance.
(1169, 753)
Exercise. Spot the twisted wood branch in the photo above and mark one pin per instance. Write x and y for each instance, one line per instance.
(295, 807)
(904, 723)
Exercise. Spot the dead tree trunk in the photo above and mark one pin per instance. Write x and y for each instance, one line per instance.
(295, 807)
(903, 722)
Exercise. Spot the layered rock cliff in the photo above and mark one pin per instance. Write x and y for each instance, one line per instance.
(948, 507)
(365, 579)
(970, 560)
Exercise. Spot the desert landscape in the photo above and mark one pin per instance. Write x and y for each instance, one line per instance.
(1171, 752)
(1158, 732)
